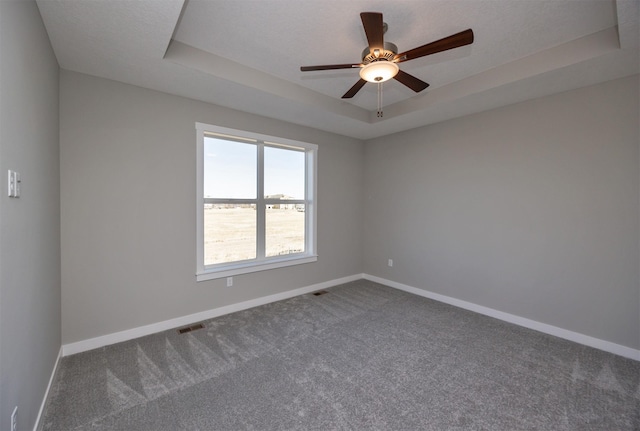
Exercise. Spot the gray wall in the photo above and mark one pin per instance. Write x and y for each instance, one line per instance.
(29, 226)
(128, 161)
(531, 209)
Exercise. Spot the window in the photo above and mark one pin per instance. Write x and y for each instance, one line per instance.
(256, 206)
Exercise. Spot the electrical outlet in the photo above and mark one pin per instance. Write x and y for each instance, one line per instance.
(14, 419)
(390, 263)
(229, 281)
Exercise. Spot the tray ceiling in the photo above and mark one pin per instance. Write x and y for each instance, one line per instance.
(246, 55)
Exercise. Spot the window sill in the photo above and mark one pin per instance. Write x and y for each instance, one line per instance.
(253, 267)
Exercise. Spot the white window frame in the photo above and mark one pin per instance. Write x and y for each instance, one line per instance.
(261, 262)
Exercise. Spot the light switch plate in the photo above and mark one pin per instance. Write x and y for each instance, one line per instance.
(11, 181)
(13, 184)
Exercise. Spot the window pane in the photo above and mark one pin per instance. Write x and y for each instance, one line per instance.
(229, 233)
(283, 173)
(284, 229)
(229, 169)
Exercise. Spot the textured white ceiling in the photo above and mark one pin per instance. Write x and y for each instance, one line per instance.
(246, 54)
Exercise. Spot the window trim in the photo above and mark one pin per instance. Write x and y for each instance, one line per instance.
(261, 263)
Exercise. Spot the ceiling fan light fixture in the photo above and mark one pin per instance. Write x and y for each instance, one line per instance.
(380, 58)
(379, 71)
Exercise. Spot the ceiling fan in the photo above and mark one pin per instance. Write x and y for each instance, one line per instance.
(380, 60)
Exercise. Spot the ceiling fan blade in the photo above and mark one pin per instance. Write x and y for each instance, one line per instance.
(410, 81)
(373, 27)
(454, 41)
(329, 67)
(353, 90)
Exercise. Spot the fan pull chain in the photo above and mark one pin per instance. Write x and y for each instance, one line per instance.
(380, 100)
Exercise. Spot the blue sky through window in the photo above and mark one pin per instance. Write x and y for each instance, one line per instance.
(230, 170)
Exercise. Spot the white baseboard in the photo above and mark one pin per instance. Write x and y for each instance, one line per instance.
(586, 340)
(129, 334)
(46, 392)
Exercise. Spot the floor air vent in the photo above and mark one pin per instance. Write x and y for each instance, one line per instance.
(190, 328)
(321, 292)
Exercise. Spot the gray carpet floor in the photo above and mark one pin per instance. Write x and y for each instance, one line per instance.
(360, 357)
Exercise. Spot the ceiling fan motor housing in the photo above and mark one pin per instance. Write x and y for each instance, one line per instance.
(389, 52)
